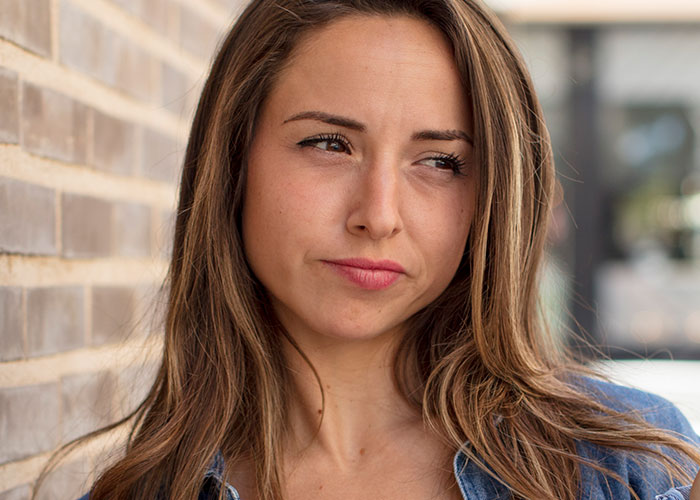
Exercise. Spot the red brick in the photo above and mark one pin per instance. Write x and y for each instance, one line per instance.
(27, 218)
(161, 156)
(109, 57)
(53, 125)
(54, 320)
(11, 344)
(27, 23)
(113, 144)
(88, 403)
(197, 34)
(132, 230)
(113, 313)
(9, 118)
(86, 226)
(19, 493)
(29, 420)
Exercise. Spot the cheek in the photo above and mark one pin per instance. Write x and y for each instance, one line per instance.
(285, 211)
(261, 212)
(448, 226)
(455, 209)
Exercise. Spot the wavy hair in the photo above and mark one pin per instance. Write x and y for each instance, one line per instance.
(479, 354)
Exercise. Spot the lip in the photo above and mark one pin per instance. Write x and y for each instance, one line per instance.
(366, 273)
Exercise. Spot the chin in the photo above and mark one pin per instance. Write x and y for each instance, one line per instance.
(354, 330)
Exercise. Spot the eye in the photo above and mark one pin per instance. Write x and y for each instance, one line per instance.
(443, 161)
(333, 143)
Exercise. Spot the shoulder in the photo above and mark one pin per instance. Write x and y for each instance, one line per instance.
(652, 408)
(645, 477)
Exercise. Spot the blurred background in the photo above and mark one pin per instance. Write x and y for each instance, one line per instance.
(96, 97)
(620, 85)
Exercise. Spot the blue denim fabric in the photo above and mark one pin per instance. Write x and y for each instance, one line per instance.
(476, 484)
(680, 493)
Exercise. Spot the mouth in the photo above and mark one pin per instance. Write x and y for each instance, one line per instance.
(366, 273)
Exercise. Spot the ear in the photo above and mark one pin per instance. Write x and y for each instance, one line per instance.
(695, 490)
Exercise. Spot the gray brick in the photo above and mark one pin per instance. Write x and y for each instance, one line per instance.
(53, 125)
(9, 118)
(131, 6)
(164, 233)
(54, 320)
(113, 144)
(132, 230)
(88, 403)
(27, 23)
(113, 313)
(86, 226)
(67, 482)
(133, 70)
(11, 344)
(19, 493)
(29, 420)
(234, 5)
(134, 383)
(27, 218)
(109, 57)
(154, 13)
(197, 34)
(161, 157)
(91, 58)
(177, 91)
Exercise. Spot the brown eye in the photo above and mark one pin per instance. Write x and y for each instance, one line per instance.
(331, 143)
(440, 163)
(449, 162)
(335, 146)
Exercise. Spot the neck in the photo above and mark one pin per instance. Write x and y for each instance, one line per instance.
(359, 407)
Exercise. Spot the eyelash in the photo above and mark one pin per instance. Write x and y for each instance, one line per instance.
(335, 137)
(454, 162)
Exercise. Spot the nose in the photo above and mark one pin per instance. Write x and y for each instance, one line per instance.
(375, 210)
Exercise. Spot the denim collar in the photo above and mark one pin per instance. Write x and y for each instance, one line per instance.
(216, 474)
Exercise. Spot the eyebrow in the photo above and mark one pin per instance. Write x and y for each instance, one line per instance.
(341, 121)
(328, 118)
(442, 135)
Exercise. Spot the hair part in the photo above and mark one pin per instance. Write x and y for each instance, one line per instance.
(479, 354)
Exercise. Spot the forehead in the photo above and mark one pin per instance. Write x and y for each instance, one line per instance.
(373, 65)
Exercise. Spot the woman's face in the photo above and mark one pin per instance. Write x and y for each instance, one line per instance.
(361, 186)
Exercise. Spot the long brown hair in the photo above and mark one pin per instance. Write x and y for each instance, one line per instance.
(479, 354)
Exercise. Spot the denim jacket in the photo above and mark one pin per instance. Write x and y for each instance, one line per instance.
(476, 484)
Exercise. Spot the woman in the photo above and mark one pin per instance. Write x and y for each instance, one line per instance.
(352, 302)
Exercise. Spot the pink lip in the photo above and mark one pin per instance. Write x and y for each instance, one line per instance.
(366, 273)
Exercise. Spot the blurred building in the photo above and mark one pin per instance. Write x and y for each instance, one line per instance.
(620, 85)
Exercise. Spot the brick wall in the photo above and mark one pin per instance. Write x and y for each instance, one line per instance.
(96, 97)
